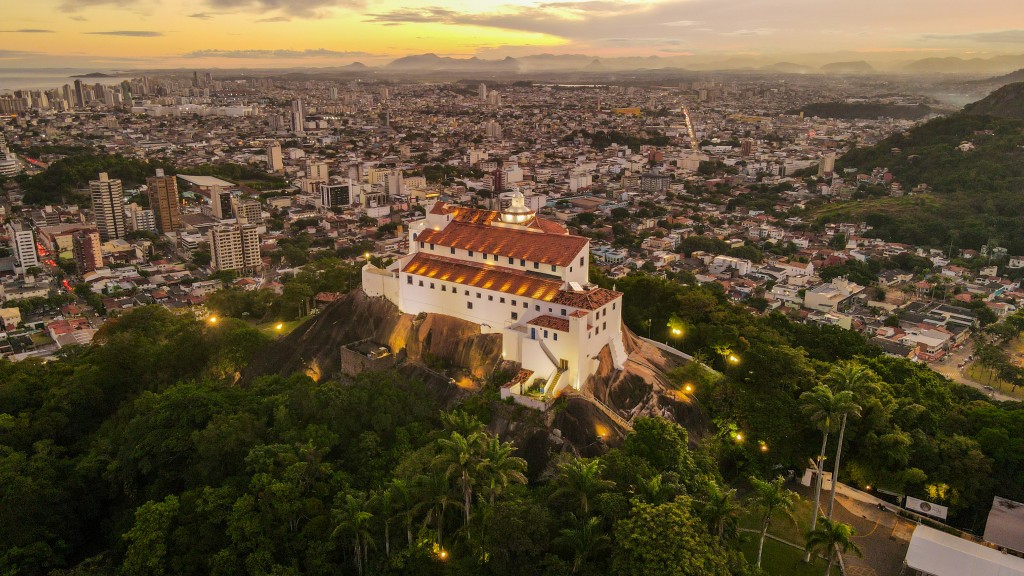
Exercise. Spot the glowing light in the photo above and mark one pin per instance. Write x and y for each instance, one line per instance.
(212, 319)
(443, 554)
(733, 359)
(279, 326)
(739, 437)
(677, 332)
(688, 388)
(764, 447)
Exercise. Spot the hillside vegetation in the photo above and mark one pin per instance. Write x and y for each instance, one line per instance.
(978, 195)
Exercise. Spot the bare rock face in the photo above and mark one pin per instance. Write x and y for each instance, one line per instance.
(432, 339)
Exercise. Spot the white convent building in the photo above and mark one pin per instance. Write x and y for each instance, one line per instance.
(514, 274)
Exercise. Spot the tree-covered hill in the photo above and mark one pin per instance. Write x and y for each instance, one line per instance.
(1005, 102)
(977, 195)
(870, 110)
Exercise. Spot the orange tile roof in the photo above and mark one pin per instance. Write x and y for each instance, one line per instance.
(557, 249)
(553, 322)
(589, 300)
(488, 277)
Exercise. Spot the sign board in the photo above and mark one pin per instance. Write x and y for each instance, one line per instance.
(928, 508)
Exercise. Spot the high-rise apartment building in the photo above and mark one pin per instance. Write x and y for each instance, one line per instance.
(316, 171)
(298, 114)
(338, 195)
(86, 248)
(23, 242)
(481, 91)
(108, 207)
(221, 203)
(140, 219)
(235, 247)
(163, 200)
(275, 160)
(248, 211)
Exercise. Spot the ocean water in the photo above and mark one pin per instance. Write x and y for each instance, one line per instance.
(42, 79)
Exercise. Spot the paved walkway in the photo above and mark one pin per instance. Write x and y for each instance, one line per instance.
(948, 368)
(882, 536)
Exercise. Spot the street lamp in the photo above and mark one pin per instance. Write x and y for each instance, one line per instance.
(212, 319)
(739, 437)
(733, 359)
(688, 388)
(279, 326)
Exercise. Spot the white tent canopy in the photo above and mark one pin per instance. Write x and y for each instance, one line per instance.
(939, 554)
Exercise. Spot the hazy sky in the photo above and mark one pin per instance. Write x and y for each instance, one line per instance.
(251, 33)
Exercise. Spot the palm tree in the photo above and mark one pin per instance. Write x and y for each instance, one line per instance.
(405, 502)
(353, 520)
(850, 377)
(581, 479)
(458, 459)
(499, 468)
(583, 538)
(720, 511)
(771, 498)
(655, 490)
(830, 536)
(824, 409)
(436, 498)
(462, 422)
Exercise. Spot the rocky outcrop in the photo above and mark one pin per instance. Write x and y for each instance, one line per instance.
(448, 354)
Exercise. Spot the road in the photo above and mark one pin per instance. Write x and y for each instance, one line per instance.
(948, 368)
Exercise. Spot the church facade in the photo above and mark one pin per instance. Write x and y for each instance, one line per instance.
(513, 274)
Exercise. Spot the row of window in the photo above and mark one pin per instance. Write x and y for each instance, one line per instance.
(494, 257)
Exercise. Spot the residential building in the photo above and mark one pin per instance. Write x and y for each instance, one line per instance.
(23, 245)
(163, 200)
(108, 207)
(275, 161)
(86, 249)
(235, 247)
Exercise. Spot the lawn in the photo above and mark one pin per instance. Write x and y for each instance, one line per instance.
(782, 526)
(271, 329)
(779, 559)
(985, 376)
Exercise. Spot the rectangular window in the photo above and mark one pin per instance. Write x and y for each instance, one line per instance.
(431, 245)
(537, 307)
(555, 335)
(431, 285)
(581, 260)
(545, 333)
(421, 245)
(453, 250)
(467, 292)
(522, 262)
(511, 260)
(514, 303)
(515, 315)
(554, 268)
(490, 298)
(613, 305)
(469, 305)
(444, 288)
(477, 294)
(495, 257)
(408, 279)
(536, 265)
(502, 300)
(421, 283)
(527, 305)
(604, 325)
(470, 252)
(564, 311)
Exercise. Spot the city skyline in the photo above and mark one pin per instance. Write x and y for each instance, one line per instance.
(112, 34)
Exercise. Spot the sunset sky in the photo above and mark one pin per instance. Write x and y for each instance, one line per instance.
(256, 33)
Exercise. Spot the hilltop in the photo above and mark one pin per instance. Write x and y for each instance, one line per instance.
(1005, 102)
(975, 189)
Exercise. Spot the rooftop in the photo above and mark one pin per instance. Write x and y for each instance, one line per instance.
(548, 248)
(488, 277)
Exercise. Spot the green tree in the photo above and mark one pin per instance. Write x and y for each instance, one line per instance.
(352, 520)
(583, 538)
(580, 479)
(825, 410)
(851, 377)
(771, 498)
(721, 511)
(643, 539)
(459, 459)
(829, 537)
